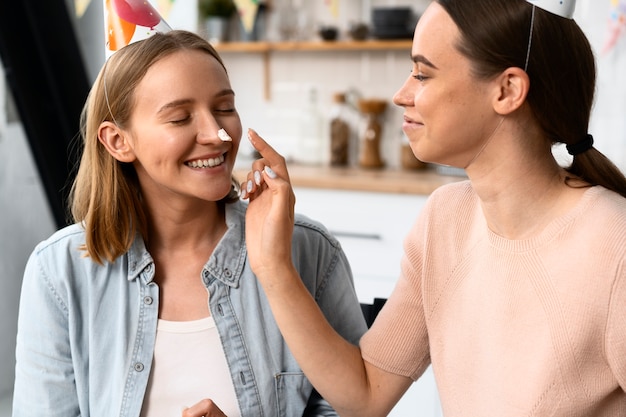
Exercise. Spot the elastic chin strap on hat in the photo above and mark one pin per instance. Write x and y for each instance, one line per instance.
(530, 38)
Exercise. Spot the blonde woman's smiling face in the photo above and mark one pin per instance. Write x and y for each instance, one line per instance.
(179, 108)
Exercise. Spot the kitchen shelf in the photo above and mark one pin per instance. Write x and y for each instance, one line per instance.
(267, 48)
(388, 180)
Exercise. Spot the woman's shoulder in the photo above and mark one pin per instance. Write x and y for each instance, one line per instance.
(54, 258)
(307, 228)
(602, 206)
(610, 199)
(453, 189)
(454, 197)
(68, 236)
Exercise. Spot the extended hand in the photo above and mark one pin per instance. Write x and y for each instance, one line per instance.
(270, 215)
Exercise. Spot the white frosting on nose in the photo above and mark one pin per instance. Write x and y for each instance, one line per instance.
(224, 137)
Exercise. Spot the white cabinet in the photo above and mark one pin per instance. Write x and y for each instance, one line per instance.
(371, 228)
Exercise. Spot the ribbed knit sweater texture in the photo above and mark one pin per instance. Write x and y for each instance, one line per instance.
(532, 327)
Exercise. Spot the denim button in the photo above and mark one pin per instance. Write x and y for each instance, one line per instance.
(227, 273)
(138, 367)
(147, 300)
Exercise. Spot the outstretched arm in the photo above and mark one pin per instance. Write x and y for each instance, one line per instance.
(332, 364)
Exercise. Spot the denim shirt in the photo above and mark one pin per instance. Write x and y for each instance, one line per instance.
(86, 332)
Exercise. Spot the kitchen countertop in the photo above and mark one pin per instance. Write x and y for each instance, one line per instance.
(399, 181)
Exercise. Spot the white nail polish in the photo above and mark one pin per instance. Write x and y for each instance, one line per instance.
(249, 186)
(224, 136)
(257, 177)
(270, 172)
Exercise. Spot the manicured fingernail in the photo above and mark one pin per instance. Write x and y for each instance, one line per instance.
(257, 177)
(224, 136)
(270, 172)
(243, 194)
(249, 186)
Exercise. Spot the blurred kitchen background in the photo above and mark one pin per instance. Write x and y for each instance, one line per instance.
(295, 65)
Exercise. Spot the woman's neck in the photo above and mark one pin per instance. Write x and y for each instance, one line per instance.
(520, 196)
(173, 230)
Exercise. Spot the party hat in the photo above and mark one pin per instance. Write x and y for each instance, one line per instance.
(128, 21)
(563, 8)
(247, 10)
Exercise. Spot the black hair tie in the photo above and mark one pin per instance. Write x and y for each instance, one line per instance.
(580, 147)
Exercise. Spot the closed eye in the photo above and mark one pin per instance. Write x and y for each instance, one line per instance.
(180, 121)
(226, 110)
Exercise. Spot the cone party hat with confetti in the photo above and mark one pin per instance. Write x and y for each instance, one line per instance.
(128, 21)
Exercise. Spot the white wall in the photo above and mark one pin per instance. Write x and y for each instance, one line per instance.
(608, 124)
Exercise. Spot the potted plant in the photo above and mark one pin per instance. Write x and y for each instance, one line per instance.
(216, 15)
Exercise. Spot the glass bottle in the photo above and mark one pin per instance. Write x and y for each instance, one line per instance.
(310, 123)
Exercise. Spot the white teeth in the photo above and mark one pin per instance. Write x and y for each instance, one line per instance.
(206, 163)
(224, 136)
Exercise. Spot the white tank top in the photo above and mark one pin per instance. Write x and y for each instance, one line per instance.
(189, 365)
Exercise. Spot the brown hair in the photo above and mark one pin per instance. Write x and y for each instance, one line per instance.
(561, 68)
(105, 196)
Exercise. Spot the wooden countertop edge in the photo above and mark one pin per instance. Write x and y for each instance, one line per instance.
(421, 182)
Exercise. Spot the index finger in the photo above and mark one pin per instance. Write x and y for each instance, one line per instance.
(273, 159)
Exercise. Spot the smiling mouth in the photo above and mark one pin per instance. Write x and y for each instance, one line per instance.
(206, 163)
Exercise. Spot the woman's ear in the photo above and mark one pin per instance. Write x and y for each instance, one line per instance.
(114, 140)
(513, 85)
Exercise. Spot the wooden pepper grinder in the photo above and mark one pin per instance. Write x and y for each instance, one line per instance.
(339, 132)
(370, 138)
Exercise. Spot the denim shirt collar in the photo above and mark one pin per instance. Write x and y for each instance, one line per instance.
(229, 257)
(226, 262)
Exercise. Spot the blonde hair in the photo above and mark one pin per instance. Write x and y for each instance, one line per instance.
(105, 196)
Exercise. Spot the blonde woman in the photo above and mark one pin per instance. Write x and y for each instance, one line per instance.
(147, 305)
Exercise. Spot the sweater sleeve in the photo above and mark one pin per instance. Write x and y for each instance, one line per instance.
(398, 340)
(616, 328)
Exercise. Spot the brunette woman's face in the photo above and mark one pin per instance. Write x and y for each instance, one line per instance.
(180, 105)
(447, 111)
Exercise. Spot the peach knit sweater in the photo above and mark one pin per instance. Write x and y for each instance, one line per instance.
(512, 328)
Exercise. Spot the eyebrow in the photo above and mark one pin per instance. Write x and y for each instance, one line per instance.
(421, 59)
(177, 103)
